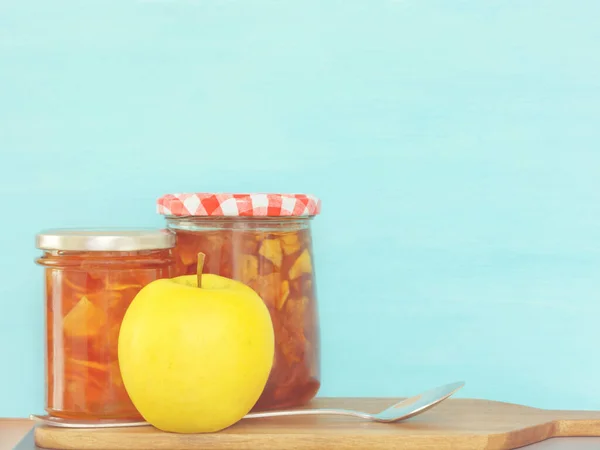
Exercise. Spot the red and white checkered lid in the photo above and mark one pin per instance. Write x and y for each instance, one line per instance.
(248, 205)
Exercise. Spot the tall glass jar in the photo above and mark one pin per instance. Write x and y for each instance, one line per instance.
(264, 241)
(91, 278)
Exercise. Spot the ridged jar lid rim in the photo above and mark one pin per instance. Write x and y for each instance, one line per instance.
(105, 239)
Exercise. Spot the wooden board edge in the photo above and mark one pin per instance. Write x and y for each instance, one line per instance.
(64, 439)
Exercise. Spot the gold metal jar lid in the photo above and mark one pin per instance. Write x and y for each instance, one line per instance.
(105, 240)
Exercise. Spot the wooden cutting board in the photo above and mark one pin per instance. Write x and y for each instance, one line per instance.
(457, 424)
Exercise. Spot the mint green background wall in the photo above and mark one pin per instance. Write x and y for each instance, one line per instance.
(455, 146)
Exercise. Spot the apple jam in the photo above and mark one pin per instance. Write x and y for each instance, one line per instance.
(91, 278)
(272, 254)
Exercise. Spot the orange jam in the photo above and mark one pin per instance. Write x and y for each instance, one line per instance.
(91, 278)
(275, 258)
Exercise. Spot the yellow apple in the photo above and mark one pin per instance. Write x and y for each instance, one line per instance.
(195, 359)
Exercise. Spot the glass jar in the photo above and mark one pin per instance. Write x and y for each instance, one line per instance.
(91, 278)
(264, 241)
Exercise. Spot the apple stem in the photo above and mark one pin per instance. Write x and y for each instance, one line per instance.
(199, 268)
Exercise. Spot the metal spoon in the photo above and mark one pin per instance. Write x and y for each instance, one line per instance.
(405, 409)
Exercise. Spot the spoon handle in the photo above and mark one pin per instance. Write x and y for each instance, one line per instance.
(67, 423)
(307, 412)
(71, 423)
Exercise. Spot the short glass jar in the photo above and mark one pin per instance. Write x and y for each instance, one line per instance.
(264, 241)
(91, 278)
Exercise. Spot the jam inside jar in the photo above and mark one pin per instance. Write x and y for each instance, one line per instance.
(91, 278)
(273, 254)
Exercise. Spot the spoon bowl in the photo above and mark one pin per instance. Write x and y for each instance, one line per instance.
(418, 404)
(402, 410)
